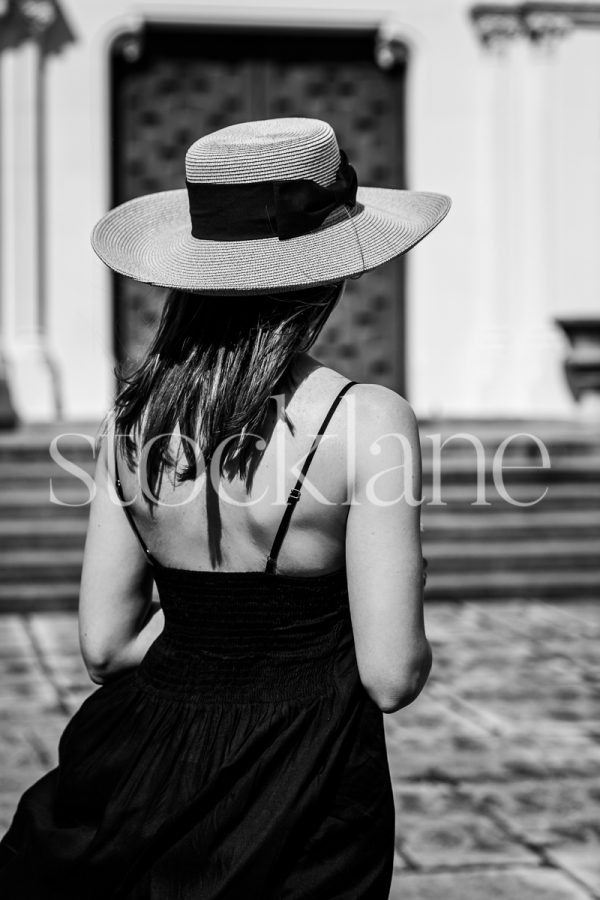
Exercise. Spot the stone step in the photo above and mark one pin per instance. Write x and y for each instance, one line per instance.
(468, 556)
(438, 527)
(456, 497)
(464, 465)
(39, 472)
(585, 445)
(457, 527)
(34, 532)
(33, 597)
(451, 465)
(26, 502)
(566, 438)
(75, 489)
(40, 564)
(456, 587)
(455, 473)
(33, 563)
(22, 503)
(510, 584)
(75, 443)
(497, 549)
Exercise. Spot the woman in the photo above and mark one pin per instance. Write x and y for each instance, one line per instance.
(235, 746)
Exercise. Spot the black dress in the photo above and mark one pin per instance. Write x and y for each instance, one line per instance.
(241, 759)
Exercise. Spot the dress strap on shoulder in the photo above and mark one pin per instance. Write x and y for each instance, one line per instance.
(294, 494)
(125, 506)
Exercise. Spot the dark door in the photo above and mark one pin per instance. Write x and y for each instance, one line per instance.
(175, 84)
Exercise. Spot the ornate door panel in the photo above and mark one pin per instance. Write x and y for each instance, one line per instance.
(172, 86)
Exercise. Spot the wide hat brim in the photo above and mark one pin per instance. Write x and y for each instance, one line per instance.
(149, 239)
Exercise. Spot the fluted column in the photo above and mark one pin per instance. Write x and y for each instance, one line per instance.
(492, 327)
(27, 29)
(536, 343)
(521, 349)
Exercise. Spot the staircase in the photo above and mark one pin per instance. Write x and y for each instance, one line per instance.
(478, 546)
(42, 534)
(486, 545)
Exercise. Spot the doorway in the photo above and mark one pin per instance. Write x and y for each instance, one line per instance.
(184, 82)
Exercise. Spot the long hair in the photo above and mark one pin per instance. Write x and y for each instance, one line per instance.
(209, 372)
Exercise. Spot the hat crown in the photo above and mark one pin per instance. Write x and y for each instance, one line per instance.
(267, 150)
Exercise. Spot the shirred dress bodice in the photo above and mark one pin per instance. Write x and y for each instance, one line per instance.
(246, 636)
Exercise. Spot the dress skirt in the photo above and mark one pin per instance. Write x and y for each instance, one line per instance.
(241, 759)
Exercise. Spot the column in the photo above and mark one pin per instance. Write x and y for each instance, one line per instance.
(537, 347)
(491, 355)
(520, 346)
(8, 418)
(30, 367)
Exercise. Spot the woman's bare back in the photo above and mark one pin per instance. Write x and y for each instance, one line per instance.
(226, 524)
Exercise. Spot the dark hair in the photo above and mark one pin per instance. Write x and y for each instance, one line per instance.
(210, 370)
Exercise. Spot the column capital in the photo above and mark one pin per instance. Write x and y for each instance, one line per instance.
(37, 15)
(546, 26)
(496, 26)
(39, 20)
(541, 22)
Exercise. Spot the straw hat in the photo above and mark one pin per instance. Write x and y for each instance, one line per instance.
(268, 206)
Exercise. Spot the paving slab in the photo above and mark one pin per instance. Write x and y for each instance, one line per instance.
(13, 782)
(456, 752)
(496, 766)
(76, 696)
(29, 696)
(445, 754)
(17, 749)
(13, 635)
(18, 665)
(582, 859)
(562, 816)
(548, 813)
(399, 862)
(438, 826)
(499, 884)
(69, 677)
(8, 806)
(55, 633)
(584, 614)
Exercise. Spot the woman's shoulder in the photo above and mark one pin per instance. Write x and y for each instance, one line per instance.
(383, 397)
(382, 400)
(374, 403)
(386, 424)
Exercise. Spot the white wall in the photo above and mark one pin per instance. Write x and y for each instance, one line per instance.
(513, 139)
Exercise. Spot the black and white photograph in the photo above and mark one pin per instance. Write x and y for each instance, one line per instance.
(299, 450)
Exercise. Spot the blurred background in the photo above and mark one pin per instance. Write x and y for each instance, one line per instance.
(490, 328)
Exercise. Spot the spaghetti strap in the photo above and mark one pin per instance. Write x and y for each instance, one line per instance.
(294, 494)
(292, 499)
(119, 489)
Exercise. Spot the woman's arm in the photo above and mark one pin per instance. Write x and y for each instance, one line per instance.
(383, 550)
(117, 619)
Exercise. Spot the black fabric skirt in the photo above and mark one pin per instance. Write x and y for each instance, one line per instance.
(241, 759)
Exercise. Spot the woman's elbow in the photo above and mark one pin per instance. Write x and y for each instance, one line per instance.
(99, 662)
(98, 669)
(393, 693)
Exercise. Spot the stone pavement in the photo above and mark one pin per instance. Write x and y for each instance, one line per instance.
(496, 766)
